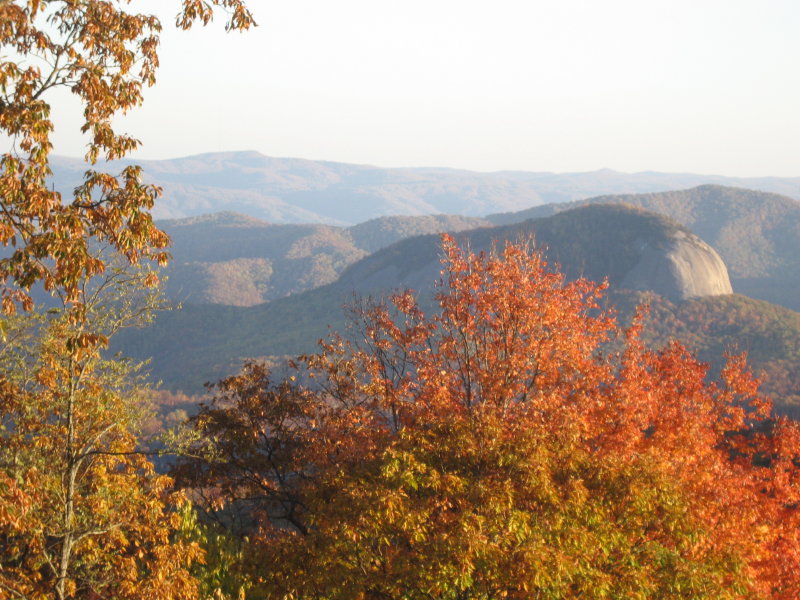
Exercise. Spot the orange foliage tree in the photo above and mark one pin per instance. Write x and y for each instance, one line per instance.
(514, 444)
(105, 55)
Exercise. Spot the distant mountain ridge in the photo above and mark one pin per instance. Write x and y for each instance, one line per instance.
(290, 190)
(228, 258)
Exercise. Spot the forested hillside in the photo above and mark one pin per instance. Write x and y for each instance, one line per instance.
(712, 326)
(756, 233)
(596, 242)
(232, 259)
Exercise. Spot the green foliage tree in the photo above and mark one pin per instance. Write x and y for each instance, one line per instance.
(223, 575)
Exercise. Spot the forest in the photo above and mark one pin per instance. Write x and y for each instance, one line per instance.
(513, 438)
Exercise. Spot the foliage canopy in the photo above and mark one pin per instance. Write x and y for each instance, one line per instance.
(496, 449)
(83, 514)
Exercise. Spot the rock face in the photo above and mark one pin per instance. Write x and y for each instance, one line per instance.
(685, 268)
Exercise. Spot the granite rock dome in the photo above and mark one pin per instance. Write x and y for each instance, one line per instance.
(686, 268)
(631, 247)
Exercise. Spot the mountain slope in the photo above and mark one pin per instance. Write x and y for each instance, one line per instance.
(712, 326)
(232, 259)
(205, 342)
(756, 233)
(631, 247)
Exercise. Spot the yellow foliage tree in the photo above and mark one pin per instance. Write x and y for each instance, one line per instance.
(83, 514)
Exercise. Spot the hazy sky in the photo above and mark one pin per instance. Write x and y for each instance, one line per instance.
(707, 86)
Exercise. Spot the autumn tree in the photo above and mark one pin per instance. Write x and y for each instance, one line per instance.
(106, 55)
(513, 444)
(83, 514)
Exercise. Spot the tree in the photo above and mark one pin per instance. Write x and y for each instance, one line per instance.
(500, 448)
(83, 514)
(105, 55)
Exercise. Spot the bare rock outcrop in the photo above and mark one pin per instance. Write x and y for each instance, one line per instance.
(632, 248)
(684, 267)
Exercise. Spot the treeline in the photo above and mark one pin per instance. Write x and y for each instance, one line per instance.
(714, 326)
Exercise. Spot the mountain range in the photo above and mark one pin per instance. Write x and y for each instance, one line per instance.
(756, 233)
(267, 250)
(290, 190)
(233, 259)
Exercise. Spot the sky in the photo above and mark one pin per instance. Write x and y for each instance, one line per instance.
(701, 86)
